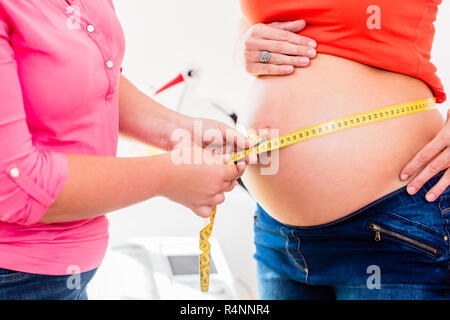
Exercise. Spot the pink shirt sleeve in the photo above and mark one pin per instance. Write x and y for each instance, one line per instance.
(30, 179)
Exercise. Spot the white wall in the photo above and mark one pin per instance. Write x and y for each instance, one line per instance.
(163, 37)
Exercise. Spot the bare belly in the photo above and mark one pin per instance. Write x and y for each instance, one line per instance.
(326, 178)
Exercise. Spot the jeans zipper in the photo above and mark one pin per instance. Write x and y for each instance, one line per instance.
(379, 230)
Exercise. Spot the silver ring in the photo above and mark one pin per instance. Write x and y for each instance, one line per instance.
(264, 56)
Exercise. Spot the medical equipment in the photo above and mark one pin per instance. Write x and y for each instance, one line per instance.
(174, 262)
(160, 268)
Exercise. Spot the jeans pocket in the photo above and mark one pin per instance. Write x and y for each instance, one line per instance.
(444, 204)
(405, 237)
(293, 249)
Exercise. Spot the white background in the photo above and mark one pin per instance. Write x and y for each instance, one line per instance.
(163, 38)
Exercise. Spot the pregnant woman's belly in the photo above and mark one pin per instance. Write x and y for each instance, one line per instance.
(326, 178)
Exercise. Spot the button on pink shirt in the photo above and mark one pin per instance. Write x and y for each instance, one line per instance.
(59, 74)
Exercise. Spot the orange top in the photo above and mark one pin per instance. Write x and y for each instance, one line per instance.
(391, 35)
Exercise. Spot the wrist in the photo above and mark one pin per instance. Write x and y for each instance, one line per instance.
(162, 172)
(186, 123)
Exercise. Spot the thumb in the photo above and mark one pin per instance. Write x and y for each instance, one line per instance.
(292, 26)
(204, 211)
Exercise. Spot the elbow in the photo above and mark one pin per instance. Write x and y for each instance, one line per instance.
(28, 188)
(19, 208)
(49, 216)
(54, 214)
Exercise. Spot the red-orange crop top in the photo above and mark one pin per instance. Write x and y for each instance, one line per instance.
(388, 34)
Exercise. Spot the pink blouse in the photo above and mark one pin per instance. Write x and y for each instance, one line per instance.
(59, 74)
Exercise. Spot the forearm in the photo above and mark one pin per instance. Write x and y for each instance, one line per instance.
(98, 185)
(146, 120)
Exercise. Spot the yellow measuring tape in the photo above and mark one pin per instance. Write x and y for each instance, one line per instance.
(300, 135)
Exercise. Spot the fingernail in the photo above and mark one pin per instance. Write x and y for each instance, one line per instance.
(311, 53)
(404, 176)
(304, 60)
(312, 44)
(411, 189)
(430, 197)
(289, 68)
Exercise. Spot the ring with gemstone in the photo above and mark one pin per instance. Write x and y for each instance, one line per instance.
(264, 56)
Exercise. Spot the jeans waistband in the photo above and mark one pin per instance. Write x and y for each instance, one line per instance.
(398, 193)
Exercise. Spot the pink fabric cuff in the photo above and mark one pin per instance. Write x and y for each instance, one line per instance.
(41, 186)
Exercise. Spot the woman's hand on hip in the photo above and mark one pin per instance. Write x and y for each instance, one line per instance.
(197, 179)
(288, 49)
(432, 159)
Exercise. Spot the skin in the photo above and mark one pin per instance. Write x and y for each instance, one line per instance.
(98, 185)
(288, 49)
(433, 158)
(351, 168)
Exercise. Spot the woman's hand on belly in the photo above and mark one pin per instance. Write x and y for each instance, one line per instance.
(323, 179)
(435, 156)
(287, 49)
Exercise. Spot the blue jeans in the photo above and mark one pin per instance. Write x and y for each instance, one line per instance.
(15, 285)
(396, 247)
